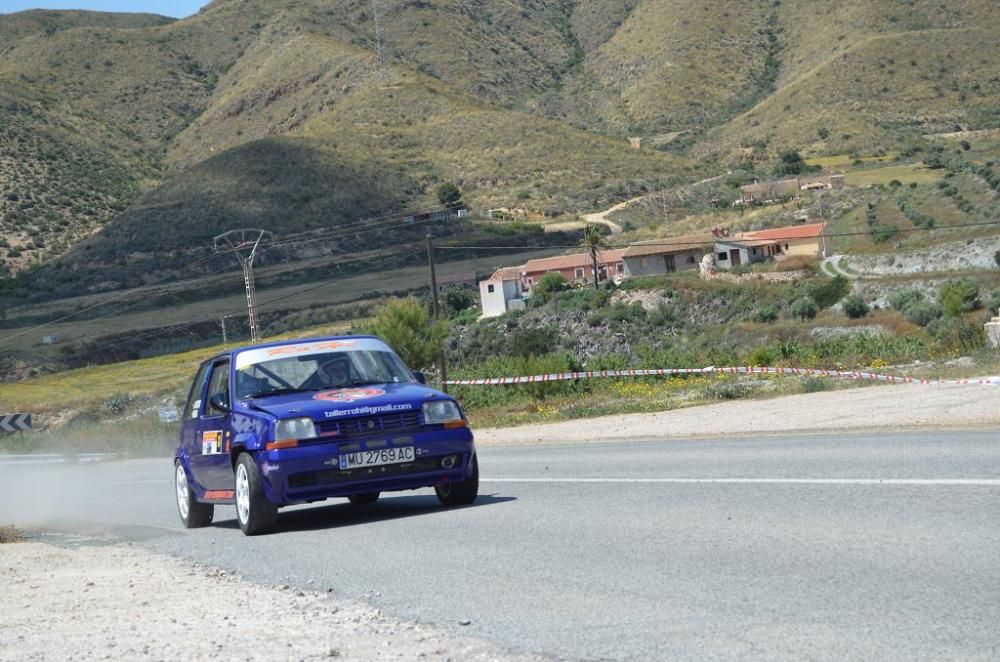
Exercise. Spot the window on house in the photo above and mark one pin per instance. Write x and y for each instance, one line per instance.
(786, 247)
(490, 289)
(722, 257)
(690, 259)
(578, 272)
(621, 267)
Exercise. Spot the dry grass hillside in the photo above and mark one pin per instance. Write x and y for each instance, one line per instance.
(140, 125)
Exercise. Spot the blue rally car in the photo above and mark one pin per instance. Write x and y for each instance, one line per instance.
(300, 421)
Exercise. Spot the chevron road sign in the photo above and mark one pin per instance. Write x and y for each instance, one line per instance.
(14, 422)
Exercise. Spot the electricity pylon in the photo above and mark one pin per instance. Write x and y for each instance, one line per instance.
(379, 44)
(243, 243)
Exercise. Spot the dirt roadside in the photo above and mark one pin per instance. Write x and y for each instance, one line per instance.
(877, 408)
(126, 603)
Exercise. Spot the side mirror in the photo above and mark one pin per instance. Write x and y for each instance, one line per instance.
(219, 402)
(421, 377)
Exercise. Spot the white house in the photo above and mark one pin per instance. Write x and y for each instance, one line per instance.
(501, 292)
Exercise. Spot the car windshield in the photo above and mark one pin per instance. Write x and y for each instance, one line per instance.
(319, 371)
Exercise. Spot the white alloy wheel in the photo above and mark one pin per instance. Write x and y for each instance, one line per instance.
(183, 496)
(242, 494)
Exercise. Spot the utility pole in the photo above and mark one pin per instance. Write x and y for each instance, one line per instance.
(379, 44)
(225, 341)
(822, 220)
(244, 244)
(437, 307)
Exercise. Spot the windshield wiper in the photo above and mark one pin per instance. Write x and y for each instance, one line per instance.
(280, 391)
(362, 382)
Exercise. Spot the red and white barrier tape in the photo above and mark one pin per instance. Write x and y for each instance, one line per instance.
(666, 372)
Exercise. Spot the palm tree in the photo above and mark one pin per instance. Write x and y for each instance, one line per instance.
(593, 241)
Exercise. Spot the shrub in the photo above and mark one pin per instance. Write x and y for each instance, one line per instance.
(959, 296)
(727, 391)
(804, 308)
(903, 299)
(996, 258)
(457, 299)
(766, 315)
(117, 403)
(922, 313)
(533, 341)
(855, 307)
(830, 291)
(815, 384)
(547, 286)
(761, 356)
(449, 195)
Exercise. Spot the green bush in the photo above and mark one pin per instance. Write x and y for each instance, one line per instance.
(766, 315)
(117, 403)
(406, 326)
(804, 309)
(727, 391)
(903, 299)
(959, 296)
(855, 307)
(922, 313)
(761, 356)
(533, 341)
(830, 291)
(815, 384)
(457, 299)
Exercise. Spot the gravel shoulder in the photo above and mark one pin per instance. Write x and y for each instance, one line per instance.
(123, 602)
(876, 408)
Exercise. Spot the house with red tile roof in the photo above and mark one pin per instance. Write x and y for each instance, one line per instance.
(576, 267)
(774, 243)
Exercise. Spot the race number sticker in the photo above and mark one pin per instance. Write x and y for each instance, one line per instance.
(211, 442)
(349, 394)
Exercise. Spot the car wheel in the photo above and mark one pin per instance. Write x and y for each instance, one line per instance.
(460, 492)
(255, 513)
(193, 514)
(362, 499)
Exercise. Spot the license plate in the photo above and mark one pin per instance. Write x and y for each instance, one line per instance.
(377, 458)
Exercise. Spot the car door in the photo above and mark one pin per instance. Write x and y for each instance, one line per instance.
(190, 441)
(210, 454)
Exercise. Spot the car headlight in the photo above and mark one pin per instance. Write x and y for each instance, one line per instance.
(294, 428)
(443, 412)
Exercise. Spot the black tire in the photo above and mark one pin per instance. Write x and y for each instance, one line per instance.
(194, 515)
(460, 492)
(254, 512)
(362, 499)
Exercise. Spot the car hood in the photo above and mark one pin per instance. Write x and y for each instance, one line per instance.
(353, 401)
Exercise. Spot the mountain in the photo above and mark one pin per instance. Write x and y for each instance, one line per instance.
(126, 140)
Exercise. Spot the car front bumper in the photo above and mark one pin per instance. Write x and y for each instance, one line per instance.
(311, 472)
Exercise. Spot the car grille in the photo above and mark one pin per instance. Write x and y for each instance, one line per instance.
(370, 426)
(333, 476)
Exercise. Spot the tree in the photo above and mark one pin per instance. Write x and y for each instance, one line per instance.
(407, 327)
(547, 286)
(457, 299)
(959, 296)
(855, 307)
(449, 195)
(593, 241)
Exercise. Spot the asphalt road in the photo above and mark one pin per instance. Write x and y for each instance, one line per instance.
(798, 547)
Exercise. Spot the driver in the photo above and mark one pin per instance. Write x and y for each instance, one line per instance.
(335, 372)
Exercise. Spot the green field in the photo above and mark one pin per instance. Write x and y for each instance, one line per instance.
(882, 176)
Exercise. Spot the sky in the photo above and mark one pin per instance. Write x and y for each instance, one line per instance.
(175, 8)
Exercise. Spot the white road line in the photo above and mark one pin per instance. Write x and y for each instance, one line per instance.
(974, 482)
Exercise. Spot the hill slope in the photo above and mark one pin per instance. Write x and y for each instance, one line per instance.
(143, 125)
